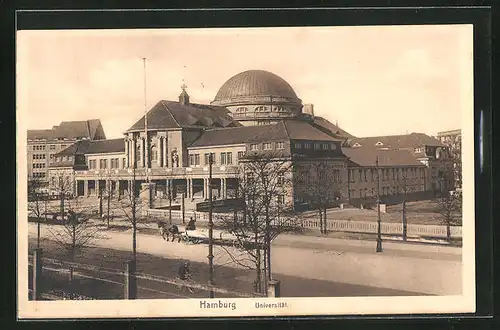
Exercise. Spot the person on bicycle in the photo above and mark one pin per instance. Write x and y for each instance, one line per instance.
(191, 225)
(184, 271)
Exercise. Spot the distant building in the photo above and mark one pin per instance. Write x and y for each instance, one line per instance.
(254, 112)
(43, 144)
(439, 176)
(453, 139)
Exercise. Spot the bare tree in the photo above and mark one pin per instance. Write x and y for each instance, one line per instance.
(76, 233)
(37, 203)
(264, 181)
(450, 209)
(106, 194)
(62, 183)
(318, 184)
(131, 207)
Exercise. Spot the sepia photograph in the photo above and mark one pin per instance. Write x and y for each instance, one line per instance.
(245, 171)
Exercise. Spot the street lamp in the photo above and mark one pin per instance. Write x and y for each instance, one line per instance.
(210, 227)
(379, 234)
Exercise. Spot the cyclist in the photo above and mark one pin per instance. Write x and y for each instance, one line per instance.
(184, 271)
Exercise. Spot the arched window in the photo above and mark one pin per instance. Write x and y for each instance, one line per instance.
(154, 153)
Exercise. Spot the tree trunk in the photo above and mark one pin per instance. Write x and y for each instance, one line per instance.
(325, 230)
(38, 234)
(109, 205)
(320, 220)
(448, 232)
(258, 280)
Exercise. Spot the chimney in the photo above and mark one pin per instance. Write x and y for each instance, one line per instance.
(308, 109)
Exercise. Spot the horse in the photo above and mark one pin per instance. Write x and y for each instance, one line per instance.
(173, 230)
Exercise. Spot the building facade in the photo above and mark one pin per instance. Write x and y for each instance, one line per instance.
(44, 144)
(254, 114)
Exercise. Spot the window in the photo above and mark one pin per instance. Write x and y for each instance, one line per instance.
(281, 199)
(364, 173)
(281, 179)
(52, 147)
(38, 156)
(241, 154)
(356, 145)
(229, 158)
(194, 160)
(103, 163)
(316, 146)
(298, 145)
(241, 109)
(379, 144)
(360, 175)
(307, 145)
(254, 147)
(267, 146)
(124, 162)
(333, 146)
(70, 158)
(39, 165)
(326, 146)
(207, 158)
(223, 158)
(154, 153)
(261, 109)
(280, 145)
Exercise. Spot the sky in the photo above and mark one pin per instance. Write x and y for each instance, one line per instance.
(378, 80)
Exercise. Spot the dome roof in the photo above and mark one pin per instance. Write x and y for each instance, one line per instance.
(255, 83)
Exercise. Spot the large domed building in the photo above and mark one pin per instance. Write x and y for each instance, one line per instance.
(257, 97)
(254, 112)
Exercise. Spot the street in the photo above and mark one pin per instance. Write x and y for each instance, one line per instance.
(313, 266)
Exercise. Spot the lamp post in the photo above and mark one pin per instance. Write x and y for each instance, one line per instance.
(379, 234)
(210, 227)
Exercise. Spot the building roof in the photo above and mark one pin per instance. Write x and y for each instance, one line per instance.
(283, 130)
(452, 132)
(332, 128)
(368, 157)
(89, 129)
(412, 140)
(85, 147)
(170, 114)
(254, 83)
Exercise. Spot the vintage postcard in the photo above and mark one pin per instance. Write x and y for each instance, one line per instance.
(245, 171)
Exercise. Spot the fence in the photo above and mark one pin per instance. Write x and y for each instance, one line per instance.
(387, 228)
(52, 279)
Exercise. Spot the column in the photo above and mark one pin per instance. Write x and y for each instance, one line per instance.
(205, 190)
(127, 153)
(134, 149)
(129, 188)
(86, 188)
(224, 188)
(146, 152)
(117, 188)
(143, 164)
(159, 142)
(96, 188)
(165, 154)
(189, 189)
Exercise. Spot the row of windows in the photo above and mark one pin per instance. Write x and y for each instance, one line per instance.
(384, 191)
(103, 163)
(63, 158)
(317, 146)
(52, 147)
(39, 174)
(225, 158)
(38, 156)
(39, 165)
(386, 174)
(263, 109)
(267, 146)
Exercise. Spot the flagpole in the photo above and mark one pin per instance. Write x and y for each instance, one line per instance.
(146, 144)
